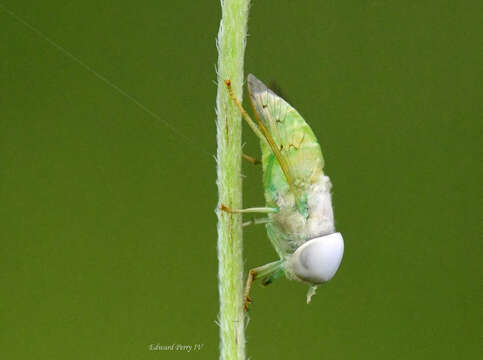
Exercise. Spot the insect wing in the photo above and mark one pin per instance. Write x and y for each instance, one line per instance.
(294, 138)
(269, 106)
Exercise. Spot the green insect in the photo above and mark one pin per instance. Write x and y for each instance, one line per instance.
(300, 222)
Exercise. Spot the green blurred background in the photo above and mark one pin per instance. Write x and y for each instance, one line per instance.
(107, 224)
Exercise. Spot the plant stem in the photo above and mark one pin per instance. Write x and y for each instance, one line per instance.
(231, 49)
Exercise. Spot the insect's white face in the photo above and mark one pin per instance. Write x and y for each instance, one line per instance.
(317, 260)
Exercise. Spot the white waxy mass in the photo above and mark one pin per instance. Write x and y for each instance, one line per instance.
(318, 259)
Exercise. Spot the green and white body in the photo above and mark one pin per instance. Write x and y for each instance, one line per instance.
(300, 223)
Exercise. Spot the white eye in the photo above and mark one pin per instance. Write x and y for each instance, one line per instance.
(318, 259)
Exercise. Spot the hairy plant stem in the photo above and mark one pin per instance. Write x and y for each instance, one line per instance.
(231, 49)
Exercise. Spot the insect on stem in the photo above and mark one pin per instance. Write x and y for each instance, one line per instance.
(298, 204)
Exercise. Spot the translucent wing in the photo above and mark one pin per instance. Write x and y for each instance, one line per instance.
(269, 106)
(293, 136)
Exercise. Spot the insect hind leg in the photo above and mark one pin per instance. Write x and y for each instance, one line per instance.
(243, 112)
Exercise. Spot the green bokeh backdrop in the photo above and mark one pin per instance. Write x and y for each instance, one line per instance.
(107, 225)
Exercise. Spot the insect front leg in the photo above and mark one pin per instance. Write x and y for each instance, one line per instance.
(268, 271)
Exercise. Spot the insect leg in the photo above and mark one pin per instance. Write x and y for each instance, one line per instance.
(245, 115)
(270, 279)
(257, 221)
(266, 270)
(251, 159)
(264, 210)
